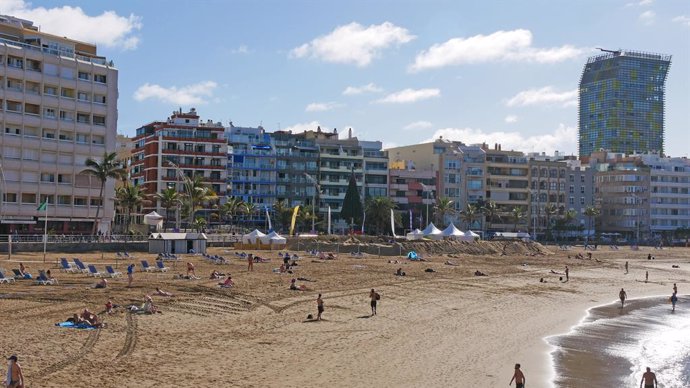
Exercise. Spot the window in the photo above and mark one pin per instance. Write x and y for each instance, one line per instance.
(571, 201)
(46, 177)
(188, 147)
(82, 138)
(13, 131)
(48, 133)
(79, 201)
(215, 149)
(582, 189)
(66, 116)
(582, 200)
(10, 197)
(95, 139)
(50, 90)
(14, 106)
(29, 198)
(84, 76)
(572, 189)
(100, 78)
(83, 118)
(82, 96)
(66, 73)
(15, 62)
(64, 135)
(33, 87)
(582, 178)
(67, 92)
(170, 173)
(49, 113)
(33, 65)
(95, 202)
(64, 200)
(15, 84)
(98, 120)
(32, 109)
(50, 69)
(99, 99)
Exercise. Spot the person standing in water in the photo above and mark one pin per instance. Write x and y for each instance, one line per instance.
(623, 295)
(567, 273)
(674, 300)
(646, 276)
(626, 267)
(649, 379)
(519, 378)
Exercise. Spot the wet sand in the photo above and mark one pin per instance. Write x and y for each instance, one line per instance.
(433, 329)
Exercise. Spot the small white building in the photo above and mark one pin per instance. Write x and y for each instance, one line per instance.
(177, 243)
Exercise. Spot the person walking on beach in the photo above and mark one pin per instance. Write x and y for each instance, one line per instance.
(190, 269)
(623, 295)
(626, 267)
(519, 378)
(675, 288)
(646, 276)
(130, 275)
(250, 263)
(375, 297)
(319, 307)
(649, 379)
(15, 377)
(567, 273)
(674, 300)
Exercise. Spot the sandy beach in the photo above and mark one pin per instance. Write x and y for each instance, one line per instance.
(438, 329)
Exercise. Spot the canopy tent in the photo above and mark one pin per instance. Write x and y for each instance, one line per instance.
(273, 238)
(453, 233)
(415, 235)
(253, 237)
(154, 219)
(433, 232)
(474, 235)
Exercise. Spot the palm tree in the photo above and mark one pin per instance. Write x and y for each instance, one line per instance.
(199, 224)
(378, 211)
(591, 212)
(283, 213)
(232, 207)
(130, 198)
(469, 214)
(168, 198)
(517, 214)
(444, 207)
(305, 215)
(109, 167)
(490, 210)
(550, 210)
(248, 208)
(198, 194)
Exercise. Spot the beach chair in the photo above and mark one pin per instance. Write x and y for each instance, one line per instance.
(82, 268)
(5, 279)
(145, 266)
(93, 271)
(160, 266)
(119, 255)
(42, 279)
(111, 272)
(65, 266)
(19, 275)
(127, 255)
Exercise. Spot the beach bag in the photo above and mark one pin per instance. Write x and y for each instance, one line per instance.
(378, 297)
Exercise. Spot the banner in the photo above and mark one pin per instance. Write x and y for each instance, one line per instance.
(393, 223)
(294, 219)
(268, 217)
(364, 218)
(329, 219)
(411, 228)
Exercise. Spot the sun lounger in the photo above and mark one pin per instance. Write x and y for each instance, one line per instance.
(5, 279)
(111, 272)
(65, 266)
(93, 271)
(19, 275)
(145, 266)
(80, 265)
(160, 266)
(43, 280)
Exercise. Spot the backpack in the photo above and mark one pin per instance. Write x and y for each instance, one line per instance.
(378, 297)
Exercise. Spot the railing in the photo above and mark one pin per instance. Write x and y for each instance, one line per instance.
(74, 239)
(99, 61)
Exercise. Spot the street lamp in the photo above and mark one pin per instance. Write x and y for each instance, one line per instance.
(427, 190)
(313, 200)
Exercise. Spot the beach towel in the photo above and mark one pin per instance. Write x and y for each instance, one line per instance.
(412, 255)
(72, 325)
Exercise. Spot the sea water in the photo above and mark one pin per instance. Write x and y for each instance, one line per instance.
(612, 346)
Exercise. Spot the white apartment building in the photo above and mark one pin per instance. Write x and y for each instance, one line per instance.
(669, 197)
(58, 107)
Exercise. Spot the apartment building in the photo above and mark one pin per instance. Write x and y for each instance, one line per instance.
(58, 106)
(166, 151)
(406, 187)
(507, 184)
(669, 192)
(297, 166)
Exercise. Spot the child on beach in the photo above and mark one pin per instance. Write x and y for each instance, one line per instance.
(15, 377)
(519, 377)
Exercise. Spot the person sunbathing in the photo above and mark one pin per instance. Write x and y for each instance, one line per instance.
(149, 307)
(479, 273)
(50, 277)
(330, 256)
(216, 275)
(90, 318)
(295, 287)
(163, 293)
(448, 262)
(227, 283)
(109, 307)
(101, 284)
(400, 272)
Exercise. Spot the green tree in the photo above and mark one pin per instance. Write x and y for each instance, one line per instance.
(108, 167)
(379, 214)
(490, 211)
(168, 199)
(351, 211)
(305, 215)
(282, 214)
(130, 198)
(469, 214)
(517, 214)
(591, 213)
(232, 208)
(444, 207)
(199, 224)
(550, 210)
(198, 195)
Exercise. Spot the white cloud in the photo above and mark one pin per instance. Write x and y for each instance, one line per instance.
(354, 43)
(409, 96)
(544, 96)
(515, 45)
(682, 19)
(368, 88)
(321, 106)
(647, 17)
(417, 125)
(107, 29)
(510, 119)
(641, 3)
(242, 49)
(562, 139)
(199, 93)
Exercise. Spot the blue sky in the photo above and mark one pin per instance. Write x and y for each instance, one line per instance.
(397, 71)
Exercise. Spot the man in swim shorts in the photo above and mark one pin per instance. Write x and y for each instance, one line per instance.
(374, 296)
(14, 373)
(649, 379)
(623, 295)
(319, 306)
(518, 377)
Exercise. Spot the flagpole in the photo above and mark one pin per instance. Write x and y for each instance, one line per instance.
(45, 232)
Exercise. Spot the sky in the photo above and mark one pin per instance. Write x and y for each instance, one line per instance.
(398, 71)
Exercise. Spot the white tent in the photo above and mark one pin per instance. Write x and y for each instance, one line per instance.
(274, 239)
(474, 235)
(252, 237)
(453, 233)
(154, 219)
(433, 232)
(415, 235)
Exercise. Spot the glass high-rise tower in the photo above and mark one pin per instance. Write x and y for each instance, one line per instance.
(622, 102)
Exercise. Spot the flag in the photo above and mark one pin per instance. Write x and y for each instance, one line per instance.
(294, 219)
(329, 219)
(393, 223)
(268, 217)
(43, 206)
